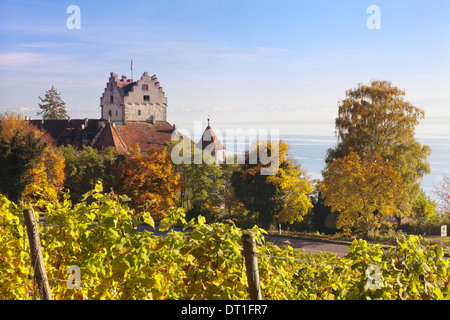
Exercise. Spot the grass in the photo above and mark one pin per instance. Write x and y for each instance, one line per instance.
(445, 243)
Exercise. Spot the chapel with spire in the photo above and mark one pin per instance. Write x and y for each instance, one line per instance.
(210, 142)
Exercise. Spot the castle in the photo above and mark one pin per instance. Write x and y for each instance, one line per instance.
(131, 112)
(126, 101)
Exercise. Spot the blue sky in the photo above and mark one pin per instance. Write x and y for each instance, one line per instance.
(272, 64)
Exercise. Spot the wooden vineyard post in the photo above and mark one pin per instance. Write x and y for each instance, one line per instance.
(37, 258)
(251, 265)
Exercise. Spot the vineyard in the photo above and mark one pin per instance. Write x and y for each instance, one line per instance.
(99, 236)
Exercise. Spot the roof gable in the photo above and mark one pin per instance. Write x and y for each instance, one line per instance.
(108, 137)
(143, 133)
(209, 137)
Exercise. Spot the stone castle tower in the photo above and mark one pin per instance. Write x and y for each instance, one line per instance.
(126, 101)
(131, 112)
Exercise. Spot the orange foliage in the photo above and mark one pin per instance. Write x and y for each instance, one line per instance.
(149, 179)
(47, 176)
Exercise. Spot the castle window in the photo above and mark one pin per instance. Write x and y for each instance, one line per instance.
(116, 113)
(111, 99)
(109, 113)
(145, 87)
(146, 98)
(139, 112)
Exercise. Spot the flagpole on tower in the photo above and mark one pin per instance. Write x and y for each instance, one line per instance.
(131, 70)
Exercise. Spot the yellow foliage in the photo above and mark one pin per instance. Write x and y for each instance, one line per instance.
(362, 189)
(295, 187)
(290, 178)
(47, 176)
(14, 259)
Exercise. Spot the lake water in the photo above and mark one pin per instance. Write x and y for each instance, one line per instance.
(310, 152)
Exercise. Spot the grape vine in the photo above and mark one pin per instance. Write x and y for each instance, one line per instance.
(199, 260)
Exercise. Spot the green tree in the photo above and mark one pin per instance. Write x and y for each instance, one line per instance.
(322, 219)
(202, 185)
(375, 118)
(231, 203)
(83, 169)
(52, 106)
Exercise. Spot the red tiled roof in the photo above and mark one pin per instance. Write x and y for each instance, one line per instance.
(126, 86)
(209, 137)
(107, 137)
(143, 133)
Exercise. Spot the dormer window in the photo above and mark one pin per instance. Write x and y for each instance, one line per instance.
(145, 87)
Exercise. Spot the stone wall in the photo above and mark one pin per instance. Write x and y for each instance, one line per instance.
(113, 89)
(143, 100)
(146, 102)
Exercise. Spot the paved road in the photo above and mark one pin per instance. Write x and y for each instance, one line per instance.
(313, 246)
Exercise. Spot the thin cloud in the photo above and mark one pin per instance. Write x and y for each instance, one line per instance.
(24, 61)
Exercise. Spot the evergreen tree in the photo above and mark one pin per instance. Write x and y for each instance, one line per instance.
(52, 106)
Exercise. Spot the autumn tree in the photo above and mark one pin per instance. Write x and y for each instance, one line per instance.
(52, 106)
(424, 208)
(278, 197)
(47, 177)
(376, 118)
(443, 193)
(294, 184)
(30, 163)
(363, 190)
(149, 179)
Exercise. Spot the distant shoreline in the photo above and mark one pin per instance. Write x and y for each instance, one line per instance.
(310, 151)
